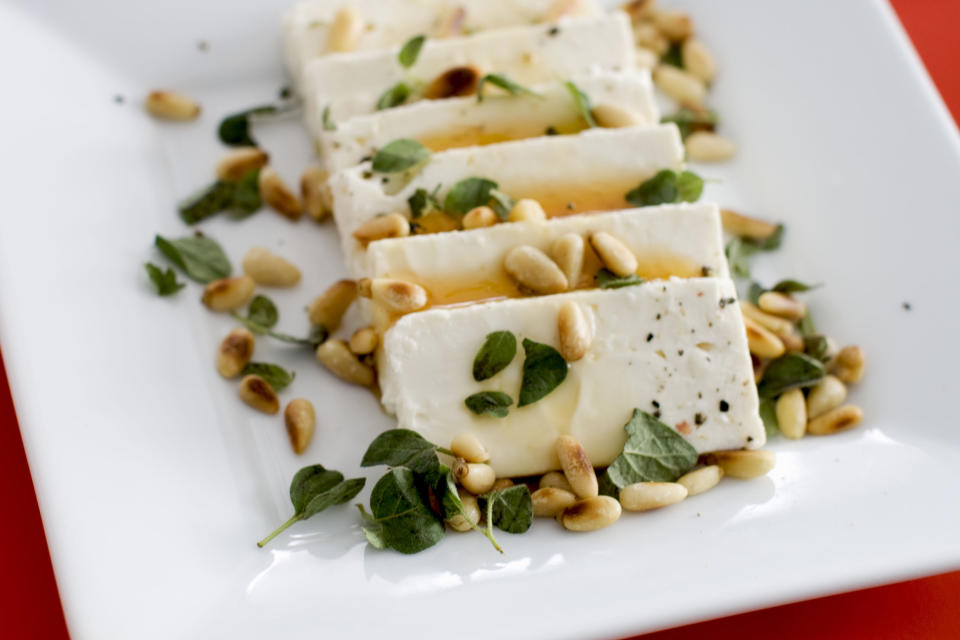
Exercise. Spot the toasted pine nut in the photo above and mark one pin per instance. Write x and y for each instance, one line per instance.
(775, 324)
(501, 484)
(345, 31)
(300, 420)
(564, 8)
(826, 395)
(317, 199)
(470, 508)
(645, 58)
(364, 341)
(614, 116)
(591, 514)
(235, 352)
(701, 480)
(391, 225)
(698, 60)
(745, 464)
(849, 363)
(527, 210)
(574, 332)
(791, 340)
(745, 226)
(644, 496)
(398, 296)
(475, 477)
(278, 195)
(239, 162)
(556, 480)
(170, 105)
(337, 357)
(456, 81)
(792, 414)
(762, 342)
(549, 502)
(479, 217)
(675, 25)
(836, 420)
(468, 446)
(567, 251)
(328, 308)
(257, 393)
(639, 9)
(365, 287)
(268, 269)
(576, 467)
(534, 270)
(706, 146)
(649, 37)
(782, 305)
(683, 87)
(228, 294)
(614, 255)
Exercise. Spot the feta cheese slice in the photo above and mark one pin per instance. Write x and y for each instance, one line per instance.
(463, 122)
(674, 348)
(351, 84)
(592, 171)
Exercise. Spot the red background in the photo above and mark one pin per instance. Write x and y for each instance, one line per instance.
(30, 606)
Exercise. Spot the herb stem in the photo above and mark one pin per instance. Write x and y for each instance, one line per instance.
(489, 530)
(447, 451)
(286, 525)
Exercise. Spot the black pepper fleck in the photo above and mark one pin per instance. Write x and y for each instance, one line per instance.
(655, 404)
(706, 271)
(553, 31)
(907, 306)
(724, 406)
(658, 316)
(551, 131)
(367, 175)
(699, 419)
(749, 438)
(366, 159)
(656, 414)
(680, 352)
(571, 206)
(649, 337)
(285, 93)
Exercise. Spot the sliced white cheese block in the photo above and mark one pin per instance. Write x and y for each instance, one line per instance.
(675, 347)
(350, 85)
(592, 171)
(390, 23)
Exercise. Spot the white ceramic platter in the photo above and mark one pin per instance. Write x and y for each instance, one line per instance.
(154, 481)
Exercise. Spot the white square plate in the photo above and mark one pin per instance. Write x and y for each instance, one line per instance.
(154, 481)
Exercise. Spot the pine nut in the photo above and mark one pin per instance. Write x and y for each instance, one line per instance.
(365, 287)
(228, 294)
(835, 420)
(591, 514)
(278, 195)
(639, 9)
(647, 36)
(792, 414)
(685, 88)
(675, 25)
(456, 81)
(300, 420)
(849, 363)
(479, 217)
(614, 255)
(762, 342)
(564, 8)
(398, 296)
(345, 31)
(782, 305)
(257, 393)
(645, 58)
(701, 480)
(328, 308)
(472, 510)
(170, 105)
(555, 480)
(706, 146)
(826, 395)
(391, 225)
(527, 210)
(534, 270)
(364, 341)
(336, 356)
(745, 226)
(475, 477)
(317, 199)
(576, 467)
(468, 446)
(775, 324)
(239, 162)
(549, 502)
(501, 484)
(575, 335)
(613, 116)
(698, 60)
(746, 464)
(270, 270)
(235, 352)
(644, 496)
(791, 340)
(568, 251)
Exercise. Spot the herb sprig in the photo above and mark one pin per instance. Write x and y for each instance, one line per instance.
(165, 282)
(503, 82)
(667, 187)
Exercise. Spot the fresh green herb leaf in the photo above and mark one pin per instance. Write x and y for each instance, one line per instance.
(165, 282)
(394, 96)
(234, 130)
(653, 453)
(543, 371)
(817, 346)
(262, 311)
(314, 489)
(738, 253)
(503, 82)
(689, 186)
(806, 325)
(402, 448)
(501, 203)
(373, 532)
(582, 102)
(444, 488)
(489, 403)
(667, 187)
(689, 120)
(198, 256)
(468, 194)
(400, 155)
(401, 517)
(328, 124)
(262, 316)
(411, 51)
(421, 202)
(768, 413)
(771, 243)
(755, 291)
(276, 376)
(497, 352)
(240, 198)
(788, 372)
(793, 286)
(673, 55)
(606, 279)
(510, 509)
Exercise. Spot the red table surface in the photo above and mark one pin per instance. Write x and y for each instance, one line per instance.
(926, 608)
